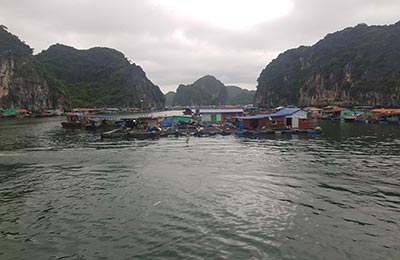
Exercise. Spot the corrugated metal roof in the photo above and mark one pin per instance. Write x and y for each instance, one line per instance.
(287, 111)
(220, 111)
(385, 110)
(335, 109)
(280, 113)
(259, 116)
(312, 109)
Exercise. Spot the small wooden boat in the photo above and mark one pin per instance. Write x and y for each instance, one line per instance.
(104, 122)
(74, 120)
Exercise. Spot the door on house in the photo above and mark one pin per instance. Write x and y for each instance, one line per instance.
(295, 122)
(289, 122)
(254, 123)
(214, 118)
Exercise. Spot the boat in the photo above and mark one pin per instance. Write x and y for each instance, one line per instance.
(74, 120)
(71, 124)
(104, 122)
(350, 118)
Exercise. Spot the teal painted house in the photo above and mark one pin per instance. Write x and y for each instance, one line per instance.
(347, 114)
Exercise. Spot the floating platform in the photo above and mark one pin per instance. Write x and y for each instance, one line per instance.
(256, 134)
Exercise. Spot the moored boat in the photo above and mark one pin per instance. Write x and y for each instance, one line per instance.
(71, 124)
(350, 119)
(104, 122)
(74, 120)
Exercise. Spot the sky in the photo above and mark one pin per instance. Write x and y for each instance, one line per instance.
(178, 41)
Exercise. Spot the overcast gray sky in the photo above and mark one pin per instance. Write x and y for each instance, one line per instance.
(178, 41)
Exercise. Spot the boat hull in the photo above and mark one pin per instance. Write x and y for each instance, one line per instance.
(71, 124)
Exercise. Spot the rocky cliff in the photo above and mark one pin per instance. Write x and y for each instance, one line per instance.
(355, 66)
(99, 77)
(22, 82)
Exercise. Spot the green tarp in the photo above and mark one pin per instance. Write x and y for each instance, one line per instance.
(178, 119)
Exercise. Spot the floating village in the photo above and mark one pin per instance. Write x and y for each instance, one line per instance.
(200, 122)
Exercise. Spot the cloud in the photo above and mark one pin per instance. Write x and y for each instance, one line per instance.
(232, 40)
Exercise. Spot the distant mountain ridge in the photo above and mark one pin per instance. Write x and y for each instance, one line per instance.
(210, 91)
(63, 76)
(240, 96)
(169, 98)
(356, 66)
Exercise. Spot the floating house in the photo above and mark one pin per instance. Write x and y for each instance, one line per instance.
(175, 121)
(9, 113)
(220, 115)
(331, 112)
(110, 110)
(258, 122)
(85, 110)
(21, 112)
(285, 118)
(347, 114)
(385, 114)
(315, 111)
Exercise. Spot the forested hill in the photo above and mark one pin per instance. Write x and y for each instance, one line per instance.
(169, 98)
(65, 77)
(240, 96)
(99, 77)
(210, 91)
(356, 66)
(205, 91)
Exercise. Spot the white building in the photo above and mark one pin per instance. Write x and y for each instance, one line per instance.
(220, 115)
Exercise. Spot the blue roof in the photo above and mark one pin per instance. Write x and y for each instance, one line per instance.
(287, 111)
(280, 113)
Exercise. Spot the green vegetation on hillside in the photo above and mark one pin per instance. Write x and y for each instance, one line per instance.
(355, 66)
(169, 98)
(98, 77)
(240, 96)
(204, 91)
(63, 76)
(210, 91)
(11, 43)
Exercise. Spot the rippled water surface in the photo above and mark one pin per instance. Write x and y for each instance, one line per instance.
(67, 194)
